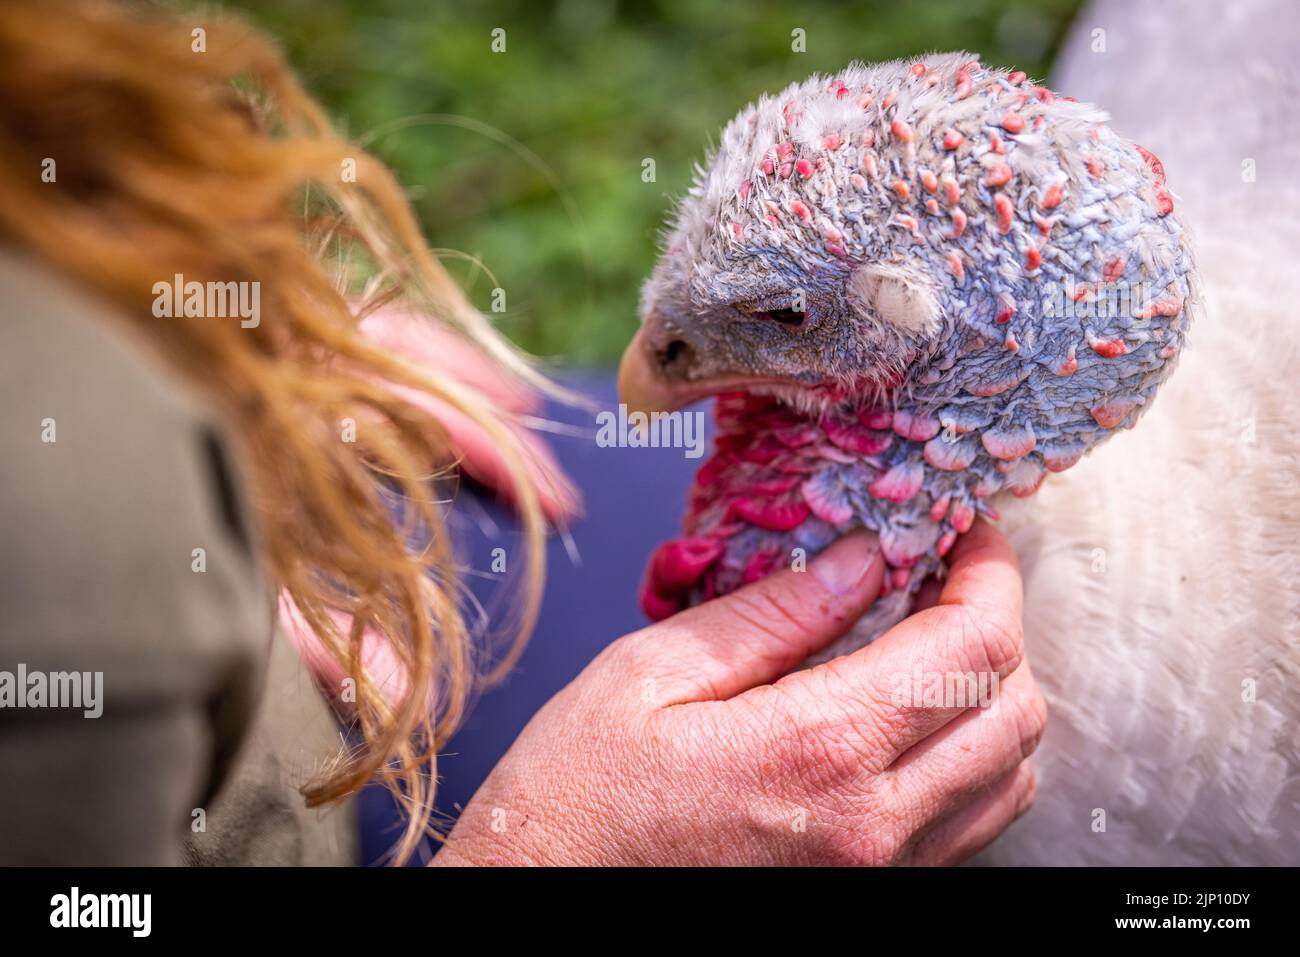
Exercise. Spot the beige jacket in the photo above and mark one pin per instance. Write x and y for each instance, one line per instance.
(112, 474)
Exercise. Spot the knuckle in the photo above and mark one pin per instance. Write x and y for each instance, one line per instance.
(624, 657)
(1026, 788)
(901, 817)
(804, 747)
(866, 839)
(774, 722)
(890, 838)
(808, 746)
(792, 748)
(657, 672)
(635, 666)
(1032, 720)
(871, 728)
(1020, 720)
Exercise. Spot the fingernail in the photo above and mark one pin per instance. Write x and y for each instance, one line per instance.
(842, 567)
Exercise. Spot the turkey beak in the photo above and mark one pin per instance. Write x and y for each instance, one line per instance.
(643, 385)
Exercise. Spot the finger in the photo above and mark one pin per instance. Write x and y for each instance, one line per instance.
(983, 572)
(961, 760)
(975, 628)
(758, 633)
(975, 826)
(479, 455)
(419, 338)
(559, 498)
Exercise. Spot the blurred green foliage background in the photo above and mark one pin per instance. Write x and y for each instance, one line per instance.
(531, 160)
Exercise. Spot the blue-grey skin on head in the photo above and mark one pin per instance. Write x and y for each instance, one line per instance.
(935, 238)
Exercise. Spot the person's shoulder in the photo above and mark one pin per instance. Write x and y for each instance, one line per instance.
(122, 512)
(61, 344)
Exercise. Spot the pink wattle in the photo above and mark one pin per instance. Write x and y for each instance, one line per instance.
(781, 485)
(676, 568)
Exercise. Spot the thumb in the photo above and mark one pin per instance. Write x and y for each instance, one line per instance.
(760, 632)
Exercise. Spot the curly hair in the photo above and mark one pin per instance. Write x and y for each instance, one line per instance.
(215, 164)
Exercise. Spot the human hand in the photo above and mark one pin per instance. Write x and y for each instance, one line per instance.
(683, 744)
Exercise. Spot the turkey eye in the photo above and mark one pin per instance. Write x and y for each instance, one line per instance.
(787, 317)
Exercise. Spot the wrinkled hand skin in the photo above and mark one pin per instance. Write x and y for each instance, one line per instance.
(692, 742)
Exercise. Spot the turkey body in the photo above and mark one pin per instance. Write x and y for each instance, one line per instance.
(1161, 577)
